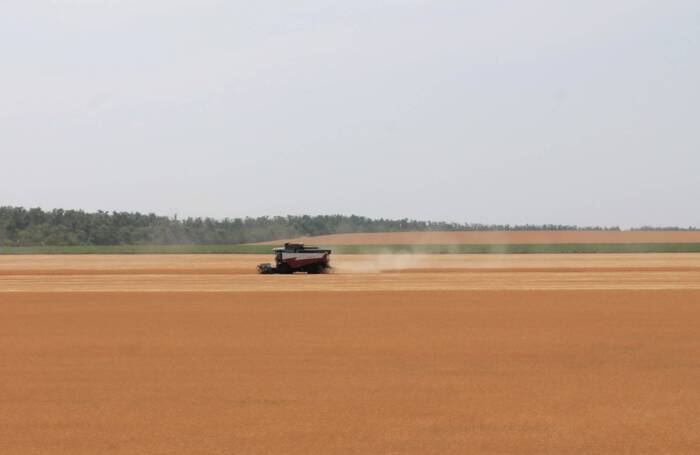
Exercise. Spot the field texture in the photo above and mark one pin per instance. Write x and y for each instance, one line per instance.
(388, 354)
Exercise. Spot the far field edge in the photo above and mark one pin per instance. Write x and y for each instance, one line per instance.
(530, 248)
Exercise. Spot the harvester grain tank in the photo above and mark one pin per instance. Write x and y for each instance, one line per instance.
(295, 257)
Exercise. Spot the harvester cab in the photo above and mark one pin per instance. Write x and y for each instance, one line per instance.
(295, 257)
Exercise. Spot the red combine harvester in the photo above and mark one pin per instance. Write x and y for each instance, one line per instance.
(295, 257)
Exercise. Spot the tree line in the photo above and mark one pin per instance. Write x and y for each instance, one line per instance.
(20, 226)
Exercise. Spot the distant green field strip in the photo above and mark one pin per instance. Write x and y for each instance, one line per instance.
(522, 248)
(369, 249)
(139, 249)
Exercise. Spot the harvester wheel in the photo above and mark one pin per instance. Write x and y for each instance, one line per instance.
(285, 269)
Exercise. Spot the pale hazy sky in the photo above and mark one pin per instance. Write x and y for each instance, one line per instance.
(583, 112)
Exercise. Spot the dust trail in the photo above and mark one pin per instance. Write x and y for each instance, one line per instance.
(387, 261)
(377, 263)
(384, 261)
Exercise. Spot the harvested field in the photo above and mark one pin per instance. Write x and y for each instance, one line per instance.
(397, 354)
(501, 237)
(221, 273)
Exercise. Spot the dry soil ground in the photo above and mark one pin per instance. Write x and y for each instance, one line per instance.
(397, 354)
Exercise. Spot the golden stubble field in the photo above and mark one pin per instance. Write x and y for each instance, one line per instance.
(391, 354)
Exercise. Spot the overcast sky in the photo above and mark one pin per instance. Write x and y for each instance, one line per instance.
(584, 112)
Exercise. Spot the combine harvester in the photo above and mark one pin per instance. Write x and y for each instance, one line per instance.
(295, 257)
